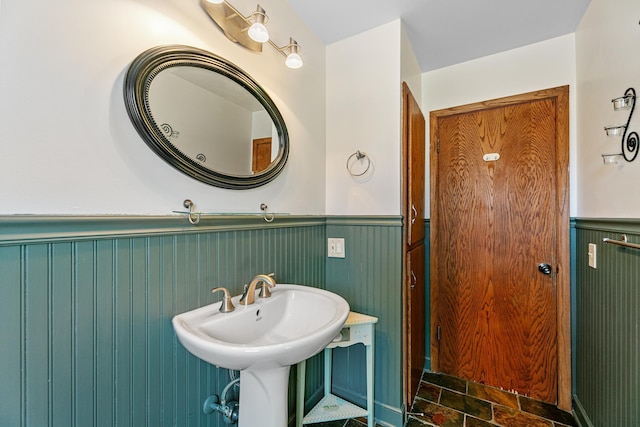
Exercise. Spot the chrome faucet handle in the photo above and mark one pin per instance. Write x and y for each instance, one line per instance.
(226, 306)
(245, 293)
(265, 292)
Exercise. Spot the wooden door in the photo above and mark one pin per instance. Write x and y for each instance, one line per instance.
(261, 158)
(413, 256)
(499, 212)
(415, 347)
(415, 165)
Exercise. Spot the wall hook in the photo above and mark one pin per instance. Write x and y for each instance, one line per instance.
(194, 217)
(265, 216)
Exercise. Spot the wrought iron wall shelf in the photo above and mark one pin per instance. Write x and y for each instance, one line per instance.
(629, 141)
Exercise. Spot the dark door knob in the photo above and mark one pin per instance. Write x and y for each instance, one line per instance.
(544, 268)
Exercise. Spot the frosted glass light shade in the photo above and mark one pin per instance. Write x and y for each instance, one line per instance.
(293, 61)
(258, 32)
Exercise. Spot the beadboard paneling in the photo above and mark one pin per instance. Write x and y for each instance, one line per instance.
(427, 294)
(370, 279)
(87, 315)
(607, 391)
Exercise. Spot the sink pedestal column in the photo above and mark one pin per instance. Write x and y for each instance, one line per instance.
(263, 398)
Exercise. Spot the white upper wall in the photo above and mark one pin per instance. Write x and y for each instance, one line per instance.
(538, 66)
(68, 146)
(607, 46)
(363, 113)
(410, 71)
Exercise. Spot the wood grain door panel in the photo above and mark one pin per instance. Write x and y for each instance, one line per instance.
(496, 314)
(416, 346)
(416, 163)
(261, 156)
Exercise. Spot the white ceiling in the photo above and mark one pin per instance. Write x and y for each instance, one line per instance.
(447, 32)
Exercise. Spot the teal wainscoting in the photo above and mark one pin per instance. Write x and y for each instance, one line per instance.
(574, 307)
(427, 294)
(370, 279)
(87, 302)
(607, 384)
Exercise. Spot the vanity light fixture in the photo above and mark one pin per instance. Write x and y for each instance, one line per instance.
(257, 31)
(629, 139)
(249, 31)
(293, 58)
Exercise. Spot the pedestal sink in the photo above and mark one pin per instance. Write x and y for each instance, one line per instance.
(262, 341)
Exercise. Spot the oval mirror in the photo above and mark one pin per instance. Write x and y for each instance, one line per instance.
(206, 117)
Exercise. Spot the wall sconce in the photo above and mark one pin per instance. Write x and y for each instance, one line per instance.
(257, 31)
(249, 31)
(629, 140)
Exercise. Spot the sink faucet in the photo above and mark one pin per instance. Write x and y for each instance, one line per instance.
(227, 305)
(267, 281)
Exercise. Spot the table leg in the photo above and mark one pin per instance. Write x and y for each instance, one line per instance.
(327, 371)
(370, 384)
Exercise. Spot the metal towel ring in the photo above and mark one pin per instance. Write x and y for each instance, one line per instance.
(359, 155)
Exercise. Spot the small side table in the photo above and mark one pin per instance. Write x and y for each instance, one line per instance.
(359, 328)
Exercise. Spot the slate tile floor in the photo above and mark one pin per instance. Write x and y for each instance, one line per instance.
(446, 401)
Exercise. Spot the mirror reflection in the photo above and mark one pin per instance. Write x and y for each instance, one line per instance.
(206, 117)
(213, 120)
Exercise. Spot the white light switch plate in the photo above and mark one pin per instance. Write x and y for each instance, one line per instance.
(592, 255)
(335, 247)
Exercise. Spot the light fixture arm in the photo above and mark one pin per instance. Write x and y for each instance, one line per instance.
(248, 19)
(286, 49)
(260, 15)
(630, 141)
(238, 28)
(290, 52)
(235, 13)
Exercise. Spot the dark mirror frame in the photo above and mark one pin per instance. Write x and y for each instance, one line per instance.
(137, 81)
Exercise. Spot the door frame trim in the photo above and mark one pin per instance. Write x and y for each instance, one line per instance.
(561, 98)
(407, 324)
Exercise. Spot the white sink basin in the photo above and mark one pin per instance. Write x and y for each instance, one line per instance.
(292, 325)
(263, 340)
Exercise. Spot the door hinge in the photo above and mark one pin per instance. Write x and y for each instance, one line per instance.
(438, 332)
(437, 146)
